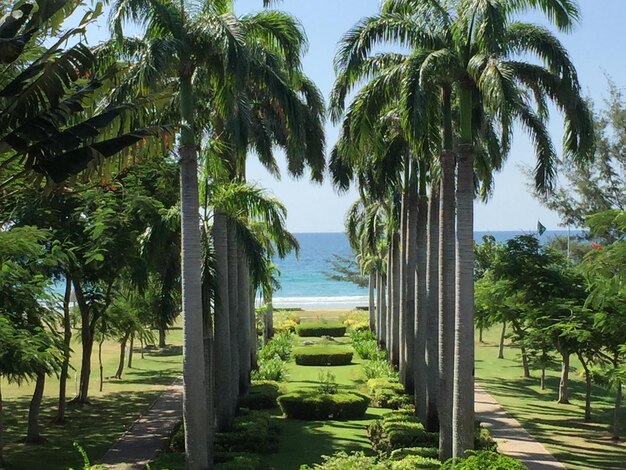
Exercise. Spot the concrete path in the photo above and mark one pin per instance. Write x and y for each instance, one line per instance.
(513, 440)
(149, 434)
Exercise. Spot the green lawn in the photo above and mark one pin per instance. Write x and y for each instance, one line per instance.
(561, 428)
(97, 426)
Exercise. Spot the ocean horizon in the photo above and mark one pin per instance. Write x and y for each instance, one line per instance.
(304, 282)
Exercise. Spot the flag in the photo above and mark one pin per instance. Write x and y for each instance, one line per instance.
(540, 228)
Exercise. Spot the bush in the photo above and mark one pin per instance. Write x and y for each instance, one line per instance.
(307, 330)
(483, 440)
(343, 461)
(262, 395)
(356, 320)
(483, 460)
(279, 346)
(311, 405)
(428, 452)
(364, 343)
(274, 369)
(388, 393)
(285, 321)
(239, 462)
(412, 462)
(399, 430)
(253, 432)
(322, 356)
(378, 368)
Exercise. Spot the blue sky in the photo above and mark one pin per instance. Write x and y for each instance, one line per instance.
(598, 49)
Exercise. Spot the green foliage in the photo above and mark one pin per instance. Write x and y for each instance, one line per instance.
(285, 320)
(311, 405)
(254, 432)
(274, 369)
(483, 439)
(356, 320)
(279, 346)
(240, 462)
(428, 452)
(346, 270)
(364, 344)
(399, 430)
(262, 395)
(483, 460)
(320, 329)
(344, 461)
(327, 383)
(388, 393)
(379, 368)
(322, 356)
(412, 462)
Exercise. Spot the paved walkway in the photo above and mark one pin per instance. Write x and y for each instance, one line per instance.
(513, 440)
(149, 434)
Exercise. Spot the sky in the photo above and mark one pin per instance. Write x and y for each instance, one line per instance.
(597, 47)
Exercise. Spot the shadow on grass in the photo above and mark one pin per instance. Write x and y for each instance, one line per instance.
(94, 427)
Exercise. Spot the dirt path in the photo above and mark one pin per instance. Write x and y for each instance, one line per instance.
(149, 434)
(513, 440)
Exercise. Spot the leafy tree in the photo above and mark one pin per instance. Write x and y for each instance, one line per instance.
(345, 269)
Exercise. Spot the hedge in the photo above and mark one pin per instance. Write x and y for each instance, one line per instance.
(261, 396)
(483, 460)
(387, 393)
(322, 356)
(311, 405)
(399, 430)
(321, 329)
(428, 452)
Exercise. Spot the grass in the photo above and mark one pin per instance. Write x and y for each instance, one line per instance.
(561, 428)
(98, 425)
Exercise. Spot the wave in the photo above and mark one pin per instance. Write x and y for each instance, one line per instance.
(348, 301)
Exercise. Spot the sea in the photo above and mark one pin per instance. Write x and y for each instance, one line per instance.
(304, 281)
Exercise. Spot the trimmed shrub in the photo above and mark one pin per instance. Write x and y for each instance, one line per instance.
(262, 395)
(307, 330)
(399, 430)
(388, 393)
(322, 356)
(483, 460)
(253, 432)
(428, 452)
(343, 461)
(414, 462)
(237, 461)
(274, 369)
(311, 405)
(364, 343)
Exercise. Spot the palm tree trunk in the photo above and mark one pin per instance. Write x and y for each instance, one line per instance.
(100, 365)
(244, 321)
(252, 316)
(130, 350)
(421, 372)
(411, 272)
(234, 312)
(162, 332)
(197, 445)
(446, 305)
(405, 316)
(223, 392)
(502, 337)
(432, 317)
(377, 281)
(389, 310)
(120, 366)
(67, 351)
(563, 390)
(33, 436)
(395, 314)
(268, 319)
(447, 257)
(463, 401)
(372, 306)
(383, 310)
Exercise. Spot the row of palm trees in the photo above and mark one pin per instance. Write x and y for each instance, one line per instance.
(428, 94)
(238, 84)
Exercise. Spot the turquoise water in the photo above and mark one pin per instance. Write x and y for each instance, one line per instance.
(304, 283)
